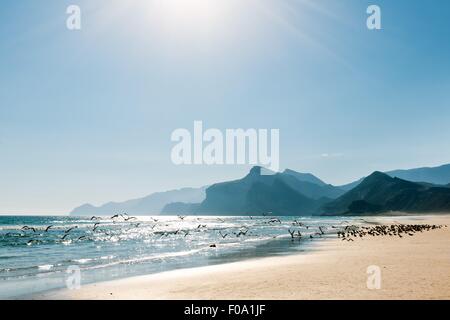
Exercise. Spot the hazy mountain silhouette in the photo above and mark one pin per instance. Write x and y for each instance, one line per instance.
(306, 177)
(436, 175)
(380, 192)
(292, 192)
(281, 193)
(149, 205)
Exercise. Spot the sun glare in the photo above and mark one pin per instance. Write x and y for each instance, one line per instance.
(190, 15)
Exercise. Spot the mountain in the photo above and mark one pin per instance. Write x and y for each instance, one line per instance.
(380, 192)
(152, 204)
(351, 185)
(179, 208)
(256, 194)
(436, 175)
(281, 193)
(306, 177)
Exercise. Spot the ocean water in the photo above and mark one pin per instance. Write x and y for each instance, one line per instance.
(33, 259)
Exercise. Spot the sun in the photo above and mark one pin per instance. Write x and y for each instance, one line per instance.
(190, 15)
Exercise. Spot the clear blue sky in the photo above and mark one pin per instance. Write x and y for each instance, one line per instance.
(86, 116)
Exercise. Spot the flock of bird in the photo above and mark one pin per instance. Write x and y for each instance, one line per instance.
(345, 232)
(67, 233)
(394, 230)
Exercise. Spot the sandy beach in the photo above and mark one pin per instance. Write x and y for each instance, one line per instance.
(412, 267)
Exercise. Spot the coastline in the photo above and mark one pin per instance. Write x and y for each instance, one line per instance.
(411, 268)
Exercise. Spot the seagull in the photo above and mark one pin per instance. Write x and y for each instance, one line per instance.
(291, 233)
(223, 235)
(321, 231)
(242, 233)
(96, 226)
(70, 229)
(29, 228)
(82, 237)
(127, 218)
(114, 216)
(221, 220)
(48, 228)
(95, 218)
(64, 236)
(181, 217)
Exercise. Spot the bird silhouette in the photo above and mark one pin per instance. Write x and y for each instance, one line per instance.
(28, 228)
(64, 236)
(291, 233)
(223, 235)
(70, 229)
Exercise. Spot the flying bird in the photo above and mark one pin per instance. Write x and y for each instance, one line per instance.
(292, 233)
(70, 229)
(64, 236)
(128, 218)
(223, 235)
(29, 228)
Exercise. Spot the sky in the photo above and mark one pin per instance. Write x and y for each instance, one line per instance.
(86, 116)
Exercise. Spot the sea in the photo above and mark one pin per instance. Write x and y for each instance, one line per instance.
(42, 253)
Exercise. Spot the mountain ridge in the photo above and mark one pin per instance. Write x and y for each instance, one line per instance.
(379, 193)
(242, 195)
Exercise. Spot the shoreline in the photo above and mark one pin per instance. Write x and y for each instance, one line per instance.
(411, 268)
